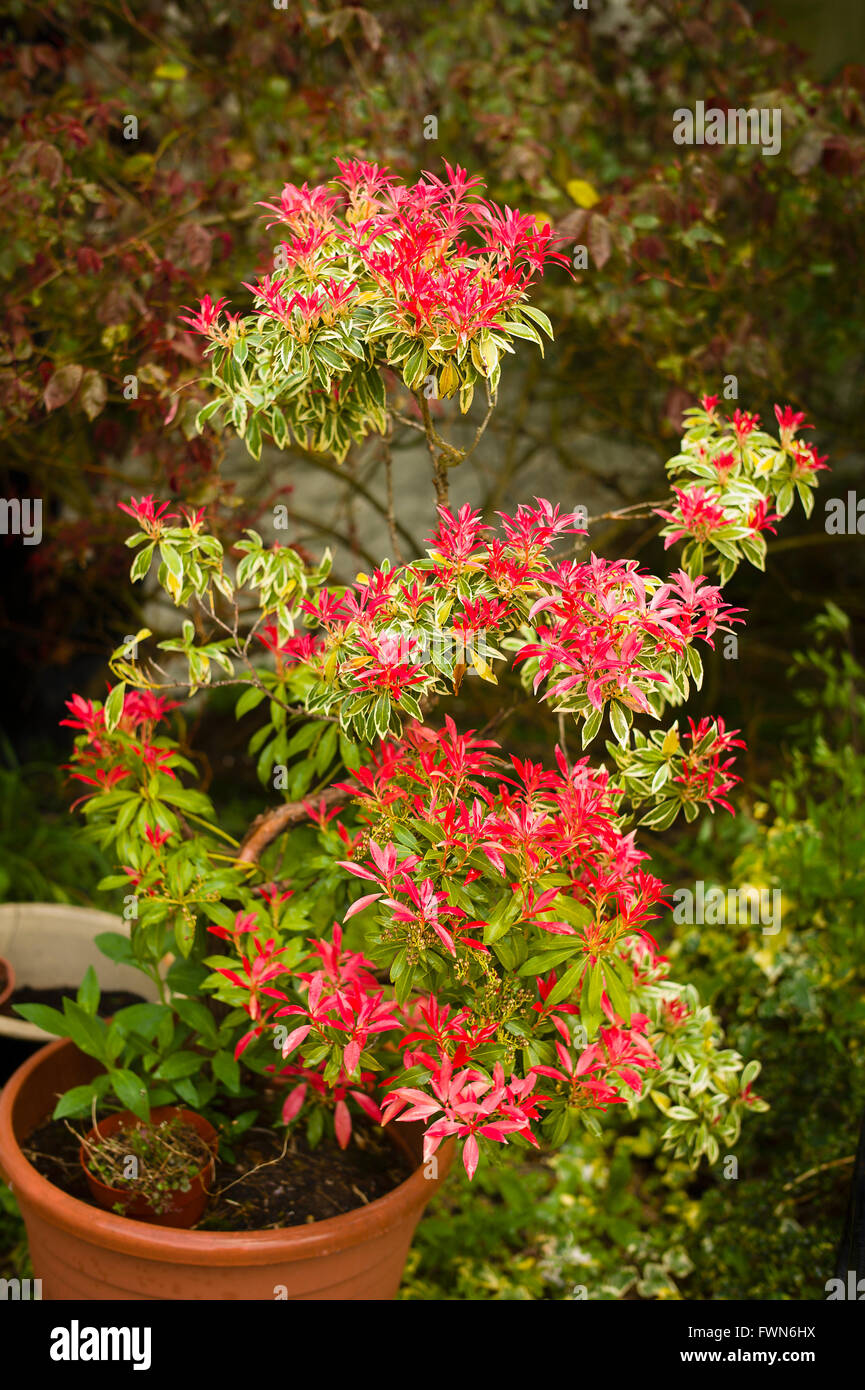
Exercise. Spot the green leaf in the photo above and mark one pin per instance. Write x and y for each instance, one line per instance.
(114, 706)
(184, 934)
(179, 1064)
(251, 697)
(557, 1127)
(206, 412)
(662, 815)
(326, 751)
(253, 437)
(596, 984)
(116, 946)
(51, 1020)
(173, 562)
(591, 726)
(617, 993)
(567, 984)
(88, 993)
(143, 1019)
(227, 1070)
(381, 715)
(88, 1034)
(278, 428)
(196, 1016)
(186, 976)
(141, 563)
(188, 1092)
(78, 1102)
(539, 317)
(619, 723)
(502, 919)
(403, 986)
(749, 1074)
(695, 665)
(130, 1091)
(542, 964)
(350, 753)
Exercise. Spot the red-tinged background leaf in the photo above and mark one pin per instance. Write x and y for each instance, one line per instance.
(63, 385)
(599, 241)
(93, 394)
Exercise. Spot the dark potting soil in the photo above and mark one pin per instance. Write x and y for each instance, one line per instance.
(301, 1186)
(109, 1003)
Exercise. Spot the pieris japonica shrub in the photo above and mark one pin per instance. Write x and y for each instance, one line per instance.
(429, 281)
(426, 926)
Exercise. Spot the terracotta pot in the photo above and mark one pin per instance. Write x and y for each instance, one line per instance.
(185, 1207)
(7, 980)
(82, 1252)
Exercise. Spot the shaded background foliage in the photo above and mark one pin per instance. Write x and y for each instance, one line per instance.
(702, 263)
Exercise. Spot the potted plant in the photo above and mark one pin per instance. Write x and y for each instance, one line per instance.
(495, 980)
(159, 1170)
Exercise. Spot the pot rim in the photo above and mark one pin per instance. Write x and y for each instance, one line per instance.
(142, 1240)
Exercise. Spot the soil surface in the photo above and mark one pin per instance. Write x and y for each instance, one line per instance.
(109, 1003)
(301, 1186)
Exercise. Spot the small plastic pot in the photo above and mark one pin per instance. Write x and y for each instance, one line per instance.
(7, 980)
(185, 1208)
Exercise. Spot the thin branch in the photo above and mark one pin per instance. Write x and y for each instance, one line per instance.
(411, 424)
(821, 1168)
(269, 824)
(434, 441)
(623, 514)
(481, 429)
